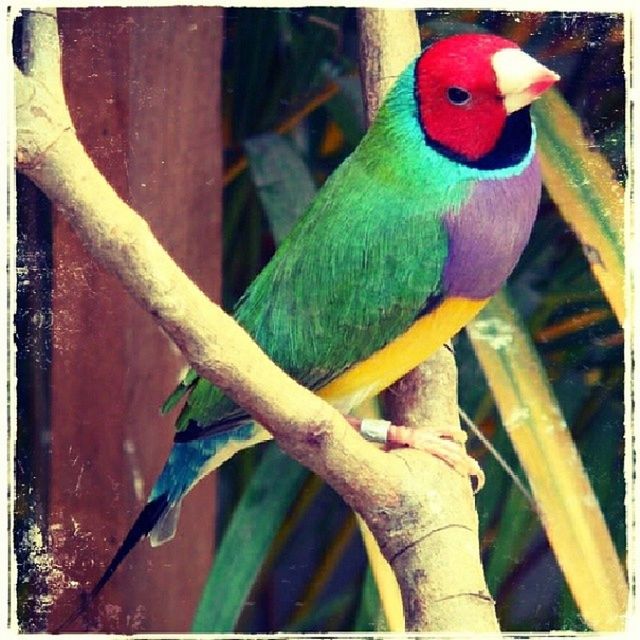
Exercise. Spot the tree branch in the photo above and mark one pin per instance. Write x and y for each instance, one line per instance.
(395, 492)
(444, 565)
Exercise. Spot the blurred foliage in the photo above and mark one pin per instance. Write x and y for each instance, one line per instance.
(564, 499)
(293, 72)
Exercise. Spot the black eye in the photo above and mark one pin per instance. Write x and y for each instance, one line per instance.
(458, 96)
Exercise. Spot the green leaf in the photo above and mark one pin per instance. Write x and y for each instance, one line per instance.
(369, 615)
(284, 184)
(255, 522)
(347, 111)
(317, 618)
(250, 75)
(581, 182)
(314, 38)
(515, 530)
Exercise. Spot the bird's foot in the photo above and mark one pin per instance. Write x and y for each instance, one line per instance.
(445, 444)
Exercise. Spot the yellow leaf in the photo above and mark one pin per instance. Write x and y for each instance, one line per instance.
(567, 505)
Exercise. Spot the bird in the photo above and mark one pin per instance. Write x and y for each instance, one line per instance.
(400, 248)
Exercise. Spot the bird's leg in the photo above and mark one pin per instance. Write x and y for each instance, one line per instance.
(446, 444)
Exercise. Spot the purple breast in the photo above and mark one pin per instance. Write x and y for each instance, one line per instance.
(488, 234)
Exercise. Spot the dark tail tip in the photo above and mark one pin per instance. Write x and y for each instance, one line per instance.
(147, 519)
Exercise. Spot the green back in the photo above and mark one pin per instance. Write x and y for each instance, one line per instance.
(361, 263)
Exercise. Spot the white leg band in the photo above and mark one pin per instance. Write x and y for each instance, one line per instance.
(375, 430)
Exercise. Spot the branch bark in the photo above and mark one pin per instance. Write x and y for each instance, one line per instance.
(444, 566)
(399, 494)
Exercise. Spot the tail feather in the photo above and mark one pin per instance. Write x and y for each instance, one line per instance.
(166, 526)
(144, 523)
(189, 461)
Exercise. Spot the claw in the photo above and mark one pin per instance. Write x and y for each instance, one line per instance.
(447, 445)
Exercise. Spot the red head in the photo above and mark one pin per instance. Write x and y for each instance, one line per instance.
(467, 85)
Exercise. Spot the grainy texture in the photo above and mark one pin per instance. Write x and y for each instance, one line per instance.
(397, 508)
(439, 571)
(155, 141)
(444, 565)
(389, 41)
(49, 152)
(576, 528)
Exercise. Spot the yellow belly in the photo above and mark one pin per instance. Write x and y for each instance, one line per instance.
(367, 378)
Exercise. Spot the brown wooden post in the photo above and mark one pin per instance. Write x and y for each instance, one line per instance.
(143, 87)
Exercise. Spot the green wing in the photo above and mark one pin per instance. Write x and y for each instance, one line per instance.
(358, 267)
(352, 276)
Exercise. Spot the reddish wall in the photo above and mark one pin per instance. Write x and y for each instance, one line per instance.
(144, 90)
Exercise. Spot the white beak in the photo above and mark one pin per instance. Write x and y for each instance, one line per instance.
(520, 78)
